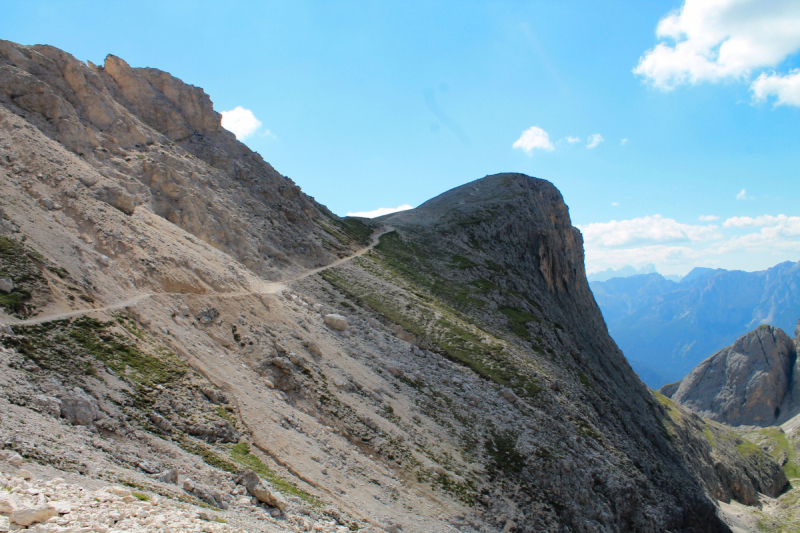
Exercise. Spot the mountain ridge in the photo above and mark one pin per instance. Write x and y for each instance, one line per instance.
(667, 328)
(457, 375)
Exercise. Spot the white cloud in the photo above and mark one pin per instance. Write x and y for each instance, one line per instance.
(571, 139)
(715, 40)
(747, 243)
(241, 122)
(380, 211)
(785, 88)
(615, 204)
(654, 229)
(742, 195)
(623, 142)
(708, 218)
(594, 140)
(534, 138)
(763, 221)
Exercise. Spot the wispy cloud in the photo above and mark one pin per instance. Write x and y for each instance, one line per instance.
(708, 218)
(594, 140)
(573, 140)
(623, 142)
(534, 138)
(742, 195)
(241, 122)
(656, 229)
(380, 211)
(763, 221)
(784, 88)
(740, 242)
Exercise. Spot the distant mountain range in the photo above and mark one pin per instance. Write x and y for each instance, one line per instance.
(626, 272)
(665, 328)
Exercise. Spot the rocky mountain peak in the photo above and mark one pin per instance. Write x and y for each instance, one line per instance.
(748, 383)
(174, 108)
(155, 141)
(517, 219)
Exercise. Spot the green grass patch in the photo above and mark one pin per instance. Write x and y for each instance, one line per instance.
(241, 454)
(58, 271)
(747, 448)
(208, 456)
(484, 285)
(461, 262)
(71, 347)
(358, 229)
(225, 413)
(24, 267)
(709, 436)
(781, 444)
(501, 447)
(142, 497)
(430, 317)
(14, 302)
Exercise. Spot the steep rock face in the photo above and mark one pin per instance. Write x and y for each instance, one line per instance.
(748, 383)
(159, 142)
(503, 250)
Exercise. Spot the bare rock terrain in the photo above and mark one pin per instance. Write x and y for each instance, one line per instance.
(749, 383)
(182, 321)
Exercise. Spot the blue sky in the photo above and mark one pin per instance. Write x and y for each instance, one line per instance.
(380, 104)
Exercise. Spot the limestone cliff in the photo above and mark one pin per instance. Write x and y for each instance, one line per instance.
(751, 382)
(158, 142)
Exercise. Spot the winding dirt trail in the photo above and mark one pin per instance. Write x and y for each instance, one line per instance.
(268, 288)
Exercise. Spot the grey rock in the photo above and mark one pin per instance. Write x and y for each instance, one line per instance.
(169, 476)
(161, 423)
(48, 405)
(337, 322)
(745, 383)
(79, 408)
(260, 490)
(215, 396)
(6, 285)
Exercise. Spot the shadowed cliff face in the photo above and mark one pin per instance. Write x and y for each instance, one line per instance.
(159, 143)
(503, 249)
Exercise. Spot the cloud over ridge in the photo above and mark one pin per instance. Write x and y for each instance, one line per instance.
(241, 122)
(380, 211)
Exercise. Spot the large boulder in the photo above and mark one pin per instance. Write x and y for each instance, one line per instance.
(260, 490)
(748, 383)
(337, 322)
(6, 285)
(79, 408)
(26, 516)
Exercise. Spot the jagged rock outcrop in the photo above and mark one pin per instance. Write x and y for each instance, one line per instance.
(158, 142)
(751, 382)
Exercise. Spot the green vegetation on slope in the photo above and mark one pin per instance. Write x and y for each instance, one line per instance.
(429, 315)
(72, 347)
(24, 267)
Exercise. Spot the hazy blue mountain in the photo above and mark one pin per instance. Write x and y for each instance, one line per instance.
(624, 272)
(666, 328)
